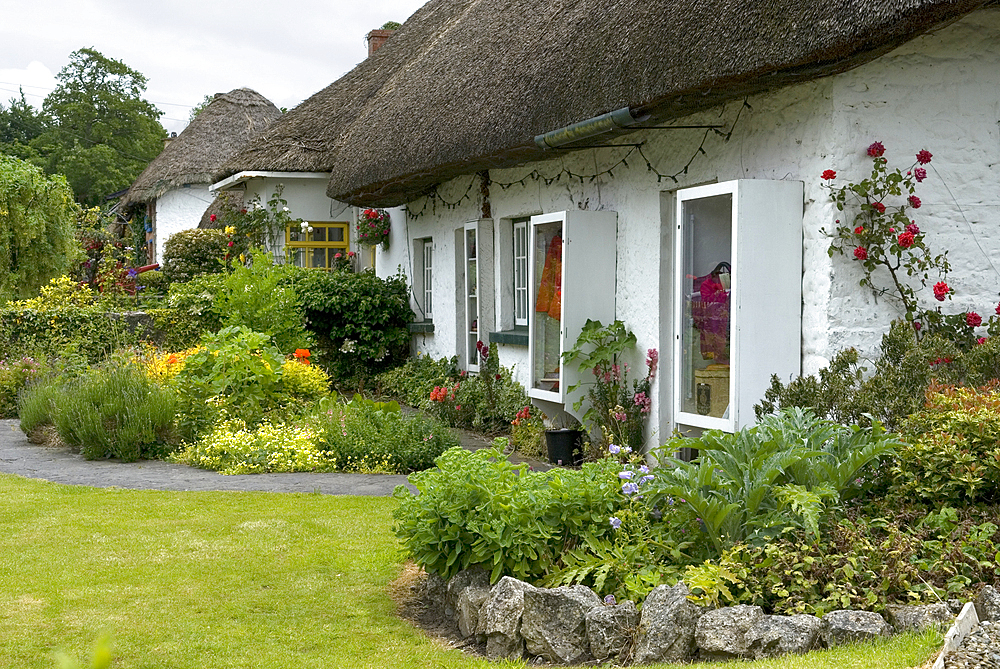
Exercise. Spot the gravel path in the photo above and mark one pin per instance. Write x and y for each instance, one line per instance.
(19, 456)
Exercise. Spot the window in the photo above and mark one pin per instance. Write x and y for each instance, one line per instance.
(423, 276)
(317, 248)
(520, 271)
(428, 278)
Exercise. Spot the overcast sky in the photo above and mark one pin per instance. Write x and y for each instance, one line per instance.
(188, 49)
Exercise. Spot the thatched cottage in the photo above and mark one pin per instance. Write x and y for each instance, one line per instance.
(174, 187)
(634, 153)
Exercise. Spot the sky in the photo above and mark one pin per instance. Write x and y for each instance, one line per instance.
(187, 49)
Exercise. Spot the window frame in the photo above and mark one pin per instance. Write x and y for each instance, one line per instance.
(309, 245)
(519, 270)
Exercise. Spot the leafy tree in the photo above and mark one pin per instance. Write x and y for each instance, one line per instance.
(37, 222)
(103, 133)
(19, 125)
(200, 107)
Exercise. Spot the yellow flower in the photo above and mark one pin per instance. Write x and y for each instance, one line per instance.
(230, 230)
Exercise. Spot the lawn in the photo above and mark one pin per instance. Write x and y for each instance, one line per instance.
(230, 580)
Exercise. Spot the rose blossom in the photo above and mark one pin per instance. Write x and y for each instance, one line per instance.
(973, 320)
(861, 253)
(905, 240)
(923, 156)
(914, 201)
(913, 229)
(859, 230)
(920, 174)
(940, 290)
(879, 207)
(981, 340)
(829, 175)
(876, 149)
(917, 325)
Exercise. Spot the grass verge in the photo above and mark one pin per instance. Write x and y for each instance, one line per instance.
(233, 580)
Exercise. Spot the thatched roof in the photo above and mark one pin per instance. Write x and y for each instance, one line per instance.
(465, 85)
(229, 199)
(228, 122)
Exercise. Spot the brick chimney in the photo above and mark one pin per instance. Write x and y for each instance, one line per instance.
(376, 38)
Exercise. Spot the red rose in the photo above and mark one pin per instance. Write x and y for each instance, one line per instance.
(914, 201)
(212, 218)
(861, 253)
(920, 174)
(876, 149)
(230, 243)
(923, 156)
(879, 207)
(905, 240)
(973, 320)
(913, 229)
(859, 230)
(917, 325)
(829, 175)
(981, 340)
(941, 289)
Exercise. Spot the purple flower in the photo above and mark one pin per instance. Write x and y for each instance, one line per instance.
(625, 475)
(646, 479)
(610, 600)
(630, 488)
(644, 469)
(615, 522)
(132, 274)
(613, 449)
(626, 449)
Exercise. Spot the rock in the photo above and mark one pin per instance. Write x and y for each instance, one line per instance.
(720, 634)
(467, 608)
(435, 592)
(554, 622)
(918, 618)
(611, 629)
(472, 577)
(500, 619)
(955, 605)
(988, 604)
(844, 626)
(667, 626)
(779, 635)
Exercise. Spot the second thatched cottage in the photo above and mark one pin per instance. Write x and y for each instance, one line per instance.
(174, 187)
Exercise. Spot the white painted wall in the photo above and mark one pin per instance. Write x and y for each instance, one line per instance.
(179, 209)
(938, 92)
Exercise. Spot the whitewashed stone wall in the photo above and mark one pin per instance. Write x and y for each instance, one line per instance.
(938, 92)
(179, 209)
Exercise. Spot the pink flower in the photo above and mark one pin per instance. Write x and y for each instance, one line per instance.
(212, 218)
(829, 175)
(859, 230)
(913, 229)
(458, 407)
(861, 253)
(998, 310)
(230, 243)
(338, 256)
(923, 156)
(941, 289)
(879, 207)
(920, 174)
(652, 359)
(351, 254)
(914, 201)
(917, 325)
(644, 403)
(905, 240)
(973, 320)
(981, 341)
(876, 149)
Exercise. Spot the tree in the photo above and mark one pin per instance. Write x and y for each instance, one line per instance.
(200, 107)
(19, 125)
(103, 133)
(37, 222)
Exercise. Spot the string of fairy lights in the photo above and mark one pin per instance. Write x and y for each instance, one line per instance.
(634, 152)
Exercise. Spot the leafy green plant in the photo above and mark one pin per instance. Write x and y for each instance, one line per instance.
(192, 253)
(786, 472)
(14, 376)
(233, 447)
(412, 381)
(255, 225)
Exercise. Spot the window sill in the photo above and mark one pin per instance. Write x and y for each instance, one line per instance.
(516, 337)
(425, 327)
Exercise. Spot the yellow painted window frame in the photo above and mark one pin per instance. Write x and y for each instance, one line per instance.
(308, 245)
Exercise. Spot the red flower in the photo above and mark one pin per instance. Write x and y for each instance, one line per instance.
(998, 310)
(861, 253)
(351, 254)
(859, 230)
(941, 289)
(497, 377)
(973, 320)
(981, 340)
(920, 174)
(914, 201)
(338, 256)
(917, 325)
(829, 175)
(923, 156)
(913, 229)
(876, 149)
(879, 207)
(230, 243)
(212, 218)
(458, 407)
(906, 240)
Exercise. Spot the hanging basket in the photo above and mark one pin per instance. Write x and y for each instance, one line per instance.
(374, 227)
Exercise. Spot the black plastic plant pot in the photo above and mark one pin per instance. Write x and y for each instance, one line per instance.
(564, 446)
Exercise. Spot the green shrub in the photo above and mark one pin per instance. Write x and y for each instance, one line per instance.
(895, 388)
(114, 413)
(14, 376)
(361, 322)
(191, 253)
(36, 407)
(369, 436)
(304, 382)
(234, 448)
(951, 453)
(39, 333)
(477, 508)
(412, 382)
(787, 472)
(196, 299)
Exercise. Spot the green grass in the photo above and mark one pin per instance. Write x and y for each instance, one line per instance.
(231, 580)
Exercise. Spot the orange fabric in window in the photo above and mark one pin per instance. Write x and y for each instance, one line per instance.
(549, 298)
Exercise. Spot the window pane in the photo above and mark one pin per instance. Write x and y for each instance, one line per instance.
(547, 319)
(335, 233)
(317, 258)
(319, 234)
(294, 235)
(520, 274)
(296, 257)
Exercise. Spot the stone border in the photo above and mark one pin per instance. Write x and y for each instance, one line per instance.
(964, 623)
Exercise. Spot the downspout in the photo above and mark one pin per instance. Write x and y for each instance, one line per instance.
(620, 118)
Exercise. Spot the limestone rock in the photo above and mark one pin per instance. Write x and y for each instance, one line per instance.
(988, 604)
(554, 622)
(467, 608)
(774, 636)
(611, 629)
(435, 592)
(472, 577)
(500, 619)
(721, 634)
(844, 626)
(667, 626)
(918, 618)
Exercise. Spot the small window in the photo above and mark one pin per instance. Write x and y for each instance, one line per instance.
(428, 279)
(521, 271)
(317, 248)
(423, 277)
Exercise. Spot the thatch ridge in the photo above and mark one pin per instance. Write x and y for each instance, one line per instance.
(226, 124)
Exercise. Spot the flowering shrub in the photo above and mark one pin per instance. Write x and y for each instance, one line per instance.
(164, 366)
(14, 376)
(234, 448)
(620, 411)
(255, 225)
(302, 381)
(886, 239)
(191, 253)
(374, 227)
